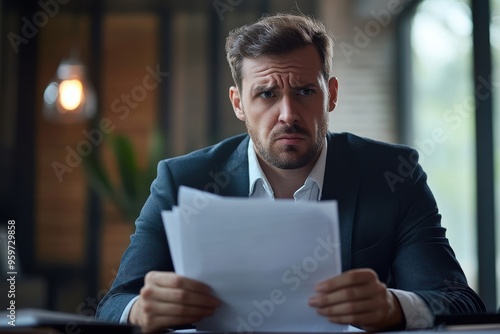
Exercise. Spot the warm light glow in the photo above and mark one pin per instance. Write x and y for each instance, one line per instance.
(70, 94)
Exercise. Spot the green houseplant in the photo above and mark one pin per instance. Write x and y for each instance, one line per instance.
(132, 188)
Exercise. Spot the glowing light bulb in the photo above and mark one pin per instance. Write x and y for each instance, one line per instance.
(69, 97)
(71, 94)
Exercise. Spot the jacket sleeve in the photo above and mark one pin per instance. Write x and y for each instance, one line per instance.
(148, 249)
(424, 261)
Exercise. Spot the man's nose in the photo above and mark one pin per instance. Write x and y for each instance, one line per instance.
(288, 111)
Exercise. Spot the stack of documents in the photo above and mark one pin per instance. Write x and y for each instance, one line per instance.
(261, 258)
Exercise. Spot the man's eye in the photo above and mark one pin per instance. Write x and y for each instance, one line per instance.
(306, 91)
(267, 94)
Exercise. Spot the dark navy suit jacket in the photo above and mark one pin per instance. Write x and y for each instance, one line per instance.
(388, 217)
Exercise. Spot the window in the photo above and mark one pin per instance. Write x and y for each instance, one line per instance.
(495, 52)
(442, 120)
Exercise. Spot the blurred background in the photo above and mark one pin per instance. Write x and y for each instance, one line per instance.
(94, 93)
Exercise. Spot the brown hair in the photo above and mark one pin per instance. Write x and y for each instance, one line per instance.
(277, 35)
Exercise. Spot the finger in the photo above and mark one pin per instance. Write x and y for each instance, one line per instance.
(371, 314)
(379, 304)
(178, 296)
(371, 290)
(172, 280)
(155, 315)
(362, 320)
(156, 308)
(349, 278)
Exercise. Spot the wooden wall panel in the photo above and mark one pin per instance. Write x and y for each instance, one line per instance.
(130, 54)
(130, 51)
(364, 63)
(189, 104)
(60, 201)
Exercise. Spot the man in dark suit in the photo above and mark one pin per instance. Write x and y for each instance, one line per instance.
(398, 268)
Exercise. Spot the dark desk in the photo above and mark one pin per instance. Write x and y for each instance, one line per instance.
(105, 329)
(43, 321)
(462, 330)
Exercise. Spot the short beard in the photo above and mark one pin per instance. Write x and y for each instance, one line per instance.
(291, 158)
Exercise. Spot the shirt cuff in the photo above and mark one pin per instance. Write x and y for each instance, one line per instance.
(416, 312)
(126, 311)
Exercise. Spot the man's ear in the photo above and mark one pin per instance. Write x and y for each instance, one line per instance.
(235, 98)
(333, 88)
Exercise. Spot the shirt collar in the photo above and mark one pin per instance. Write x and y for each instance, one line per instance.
(257, 176)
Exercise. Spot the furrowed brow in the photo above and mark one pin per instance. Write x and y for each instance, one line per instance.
(308, 85)
(262, 88)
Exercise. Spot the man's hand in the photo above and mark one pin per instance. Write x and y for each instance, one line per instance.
(168, 299)
(358, 298)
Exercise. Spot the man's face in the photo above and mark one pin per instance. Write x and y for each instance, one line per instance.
(284, 102)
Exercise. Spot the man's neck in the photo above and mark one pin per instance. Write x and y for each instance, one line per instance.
(285, 182)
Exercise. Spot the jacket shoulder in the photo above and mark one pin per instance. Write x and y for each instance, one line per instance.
(368, 149)
(197, 167)
(219, 152)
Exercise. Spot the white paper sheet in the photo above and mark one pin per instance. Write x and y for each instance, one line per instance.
(262, 258)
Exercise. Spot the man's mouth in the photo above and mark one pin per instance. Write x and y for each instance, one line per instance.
(290, 139)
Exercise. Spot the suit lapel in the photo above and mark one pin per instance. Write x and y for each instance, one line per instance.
(236, 171)
(341, 183)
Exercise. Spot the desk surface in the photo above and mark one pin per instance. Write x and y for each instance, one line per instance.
(462, 330)
(105, 329)
(43, 321)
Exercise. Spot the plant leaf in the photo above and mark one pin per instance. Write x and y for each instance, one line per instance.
(155, 154)
(134, 183)
(97, 176)
(126, 160)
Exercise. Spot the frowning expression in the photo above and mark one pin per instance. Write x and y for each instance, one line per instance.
(284, 101)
